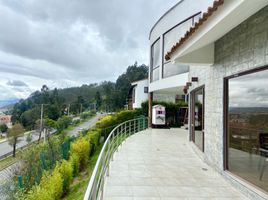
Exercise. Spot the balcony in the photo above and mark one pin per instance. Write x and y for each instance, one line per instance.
(161, 164)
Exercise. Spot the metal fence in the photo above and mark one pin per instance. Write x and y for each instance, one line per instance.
(114, 140)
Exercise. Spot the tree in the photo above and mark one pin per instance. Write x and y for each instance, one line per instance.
(98, 100)
(3, 128)
(13, 135)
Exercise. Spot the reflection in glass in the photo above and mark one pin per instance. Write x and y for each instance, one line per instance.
(248, 127)
(198, 118)
(155, 60)
(155, 74)
(170, 69)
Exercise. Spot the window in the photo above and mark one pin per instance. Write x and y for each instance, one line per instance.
(133, 95)
(145, 89)
(175, 33)
(247, 126)
(155, 60)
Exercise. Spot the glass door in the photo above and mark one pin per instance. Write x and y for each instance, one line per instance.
(197, 118)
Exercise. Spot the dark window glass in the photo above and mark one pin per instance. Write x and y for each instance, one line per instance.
(247, 127)
(133, 95)
(198, 118)
(145, 89)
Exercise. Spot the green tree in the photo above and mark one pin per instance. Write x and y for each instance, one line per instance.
(13, 135)
(3, 128)
(98, 100)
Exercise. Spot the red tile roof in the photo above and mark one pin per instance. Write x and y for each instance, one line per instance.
(194, 28)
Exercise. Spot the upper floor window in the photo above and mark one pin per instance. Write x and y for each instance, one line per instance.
(133, 95)
(170, 38)
(145, 89)
(155, 60)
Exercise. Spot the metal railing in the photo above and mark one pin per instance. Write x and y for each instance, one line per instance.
(114, 140)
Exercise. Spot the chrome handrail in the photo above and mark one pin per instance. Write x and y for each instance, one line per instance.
(114, 140)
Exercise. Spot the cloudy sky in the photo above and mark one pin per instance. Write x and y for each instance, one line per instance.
(249, 90)
(63, 43)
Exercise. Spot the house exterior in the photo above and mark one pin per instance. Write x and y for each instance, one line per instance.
(5, 119)
(216, 54)
(138, 94)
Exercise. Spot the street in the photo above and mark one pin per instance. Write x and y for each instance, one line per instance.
(5, 148)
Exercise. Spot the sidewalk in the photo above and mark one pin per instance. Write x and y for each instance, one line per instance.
(160, 164)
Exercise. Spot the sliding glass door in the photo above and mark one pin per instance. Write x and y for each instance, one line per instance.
(197, 119)
(246, 96)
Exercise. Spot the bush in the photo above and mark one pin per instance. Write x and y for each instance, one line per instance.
(117, 118)
(93, 136)
(66, 170)
(86, 115)
(50, 187)
(81, 148)
(63, 123)
(74, 160)
(77, 121)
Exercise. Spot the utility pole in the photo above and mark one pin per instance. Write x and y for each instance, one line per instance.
(41, 118)
(41, 121)
(69, 110)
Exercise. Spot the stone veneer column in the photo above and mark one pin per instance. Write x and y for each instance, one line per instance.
(150, 105)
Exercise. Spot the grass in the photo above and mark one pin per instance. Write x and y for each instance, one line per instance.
(10, 160)
(79, 186)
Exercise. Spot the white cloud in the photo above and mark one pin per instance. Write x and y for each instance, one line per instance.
(65, 43)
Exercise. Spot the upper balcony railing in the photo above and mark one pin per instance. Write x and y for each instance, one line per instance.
(169, 38)
(114, 140)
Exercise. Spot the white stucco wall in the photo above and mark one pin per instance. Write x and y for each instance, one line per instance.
(181, 11)
(140, 95)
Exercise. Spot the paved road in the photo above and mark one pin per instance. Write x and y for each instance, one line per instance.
(85, 125)
(5, 148)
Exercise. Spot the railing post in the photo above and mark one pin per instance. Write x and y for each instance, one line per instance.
(117, 138)
(129, 128)
(125, 133)
(108, 158)
(112, 145)
(134, 125)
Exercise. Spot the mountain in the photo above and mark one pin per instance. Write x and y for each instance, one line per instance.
(8, 102)
(238, 110)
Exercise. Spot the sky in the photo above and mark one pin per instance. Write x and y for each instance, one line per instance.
(65, 43)
(249, 90)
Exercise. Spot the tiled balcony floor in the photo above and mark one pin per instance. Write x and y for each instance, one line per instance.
(159, 164)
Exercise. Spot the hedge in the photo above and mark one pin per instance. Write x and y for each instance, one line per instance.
(81, 148)
(56, 182)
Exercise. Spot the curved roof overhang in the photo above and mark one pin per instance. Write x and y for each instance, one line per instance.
(196, 47)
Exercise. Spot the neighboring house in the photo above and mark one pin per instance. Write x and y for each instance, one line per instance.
(138, 94)
(5, 119)
(216, 53)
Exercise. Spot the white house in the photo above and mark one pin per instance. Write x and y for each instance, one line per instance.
(216, 53)
(138, 94)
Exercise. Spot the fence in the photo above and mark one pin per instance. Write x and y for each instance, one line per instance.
(113, 141)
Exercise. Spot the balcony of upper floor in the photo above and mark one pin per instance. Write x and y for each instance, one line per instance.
(166, 75)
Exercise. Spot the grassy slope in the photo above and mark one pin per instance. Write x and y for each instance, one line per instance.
(79, 185)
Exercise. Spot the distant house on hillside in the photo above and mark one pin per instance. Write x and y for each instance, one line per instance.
(5, 119)
(138, 93)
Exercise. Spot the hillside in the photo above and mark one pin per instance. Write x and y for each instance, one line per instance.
(106, 95)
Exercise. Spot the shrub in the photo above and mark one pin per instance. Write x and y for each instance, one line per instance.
(81, 148)
(106, 121)
(50, 187)
(66, 170)
(93, 136)
(74, 160)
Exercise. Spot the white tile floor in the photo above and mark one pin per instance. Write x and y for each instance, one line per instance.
(159, 164)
